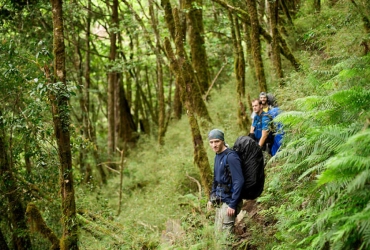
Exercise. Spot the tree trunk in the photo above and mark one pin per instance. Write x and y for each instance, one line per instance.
(166, 5)
(86, 91)
(127, 128)
(249, 57)
(256, 45)
(286, 11)
(197, 45)
(273, 6)
(38, 224)
(161, 103)
(20, 234)
(59, 103)
(183, 71)
(317, 5)
(112, 79)
(177, 102)
(239, 69)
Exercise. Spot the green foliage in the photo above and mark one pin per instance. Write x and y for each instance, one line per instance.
(325, 141)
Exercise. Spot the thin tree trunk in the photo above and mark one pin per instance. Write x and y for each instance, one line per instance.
(20, 234)
(256, 45)
(61, 121)
(177, 100)
(166, 5)
(275, 52)
(249, 57)
(161, 106)
(239, 69)
(317, 5)
(127, 127)
(198, 52)
(286, 12)
(86, 92)
(182, 68)
(112, 79)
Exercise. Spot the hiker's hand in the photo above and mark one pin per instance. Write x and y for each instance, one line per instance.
(230, 211)
(209, 205)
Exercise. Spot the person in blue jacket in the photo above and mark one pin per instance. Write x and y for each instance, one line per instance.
(259, 130)
(227, 183)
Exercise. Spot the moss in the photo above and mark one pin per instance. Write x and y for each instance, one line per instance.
(37, 224)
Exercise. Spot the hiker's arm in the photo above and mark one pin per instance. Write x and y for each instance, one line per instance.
(251, 130)
(265, 134)
(237, 179)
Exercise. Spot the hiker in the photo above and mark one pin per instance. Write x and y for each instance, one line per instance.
(266, 103)
(259, 130)
(226, 193)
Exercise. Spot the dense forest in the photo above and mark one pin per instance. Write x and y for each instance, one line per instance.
(106, 106)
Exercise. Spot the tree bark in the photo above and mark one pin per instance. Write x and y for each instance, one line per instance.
(177, 102)
(59, 103)
(239, 69)
(256, 45)
(249, 57)
(20, 234)
(182, 69)
(198, 104)
(275, 52)
(160, 96)
(198, 52)
(39, 225)
(166, 5)
(112, 79)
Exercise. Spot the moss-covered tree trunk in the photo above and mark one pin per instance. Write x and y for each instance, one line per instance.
(160, 88)
(198, 52)
(273, 6)
(256, 45)
(170, 23)
(39, 225)
(198, 104)
(182, 68)
(8, 187)
(61, 119)
(239, 69)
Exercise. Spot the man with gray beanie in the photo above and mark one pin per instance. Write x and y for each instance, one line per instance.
(227, 183)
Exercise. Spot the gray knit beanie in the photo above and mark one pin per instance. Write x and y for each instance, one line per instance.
(216, 134)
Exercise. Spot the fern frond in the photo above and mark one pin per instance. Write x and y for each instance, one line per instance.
(361, 180)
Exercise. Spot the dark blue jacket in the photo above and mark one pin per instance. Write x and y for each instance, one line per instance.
(232, 199)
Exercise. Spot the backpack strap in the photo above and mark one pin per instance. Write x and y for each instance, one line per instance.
(227, 173)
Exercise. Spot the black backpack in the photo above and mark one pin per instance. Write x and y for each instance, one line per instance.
(253, 167)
